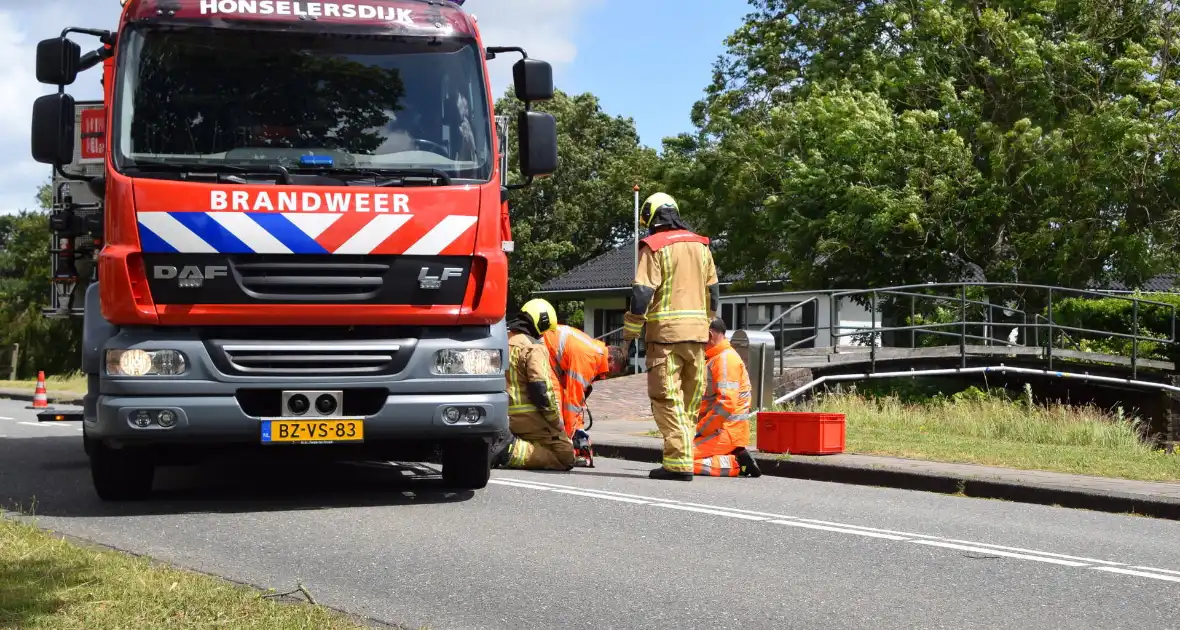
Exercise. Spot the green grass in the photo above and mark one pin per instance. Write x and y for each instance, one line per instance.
(981, 429)
(48, 583)
(72, 383)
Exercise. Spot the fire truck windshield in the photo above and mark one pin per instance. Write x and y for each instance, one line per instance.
(239, 97)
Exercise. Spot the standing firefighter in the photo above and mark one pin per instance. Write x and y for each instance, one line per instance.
(538, 439)
(676, 293)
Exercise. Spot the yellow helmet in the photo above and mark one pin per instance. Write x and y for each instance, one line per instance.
(541, 313)
(654, 203)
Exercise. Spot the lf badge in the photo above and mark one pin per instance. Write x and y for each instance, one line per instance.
(427, 281)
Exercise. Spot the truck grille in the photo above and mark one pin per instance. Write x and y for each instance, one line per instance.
(313, 359)
(323, 279)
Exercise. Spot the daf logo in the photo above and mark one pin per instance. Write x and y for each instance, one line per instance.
(427, 281)
(189, 276)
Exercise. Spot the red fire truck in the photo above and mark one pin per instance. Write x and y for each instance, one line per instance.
(298, 228)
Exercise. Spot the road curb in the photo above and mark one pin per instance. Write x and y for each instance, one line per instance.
(52, 398)
(942, 483)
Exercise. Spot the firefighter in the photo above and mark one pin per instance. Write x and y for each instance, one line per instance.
(578, 360)
(538, 439)
(723, 422)
(675, 292)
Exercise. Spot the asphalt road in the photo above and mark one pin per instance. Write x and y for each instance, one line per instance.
(609, 548)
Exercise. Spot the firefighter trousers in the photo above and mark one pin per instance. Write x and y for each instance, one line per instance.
(714, 458)
(540, 444)
(717, 466)
(675, 383)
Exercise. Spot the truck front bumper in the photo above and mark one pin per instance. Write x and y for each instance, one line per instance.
(218, 401)
(221, 418)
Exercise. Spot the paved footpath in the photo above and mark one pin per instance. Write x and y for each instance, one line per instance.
(609, 548)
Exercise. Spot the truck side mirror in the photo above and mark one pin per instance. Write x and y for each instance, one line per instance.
(53, 129)
(533, 80)
(538, 143)
(58, 61)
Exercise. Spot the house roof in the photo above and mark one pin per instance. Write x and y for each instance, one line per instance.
(613, 270)
(1164, 283)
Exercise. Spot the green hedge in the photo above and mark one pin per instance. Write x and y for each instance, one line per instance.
(1118, 315)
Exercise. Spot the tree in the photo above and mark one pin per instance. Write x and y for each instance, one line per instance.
(52, 345)
(894, 141)
(586, 207)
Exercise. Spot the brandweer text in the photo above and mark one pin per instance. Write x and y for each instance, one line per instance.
(309, 9)
(264, 201)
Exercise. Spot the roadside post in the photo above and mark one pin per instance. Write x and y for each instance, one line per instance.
(756, 348)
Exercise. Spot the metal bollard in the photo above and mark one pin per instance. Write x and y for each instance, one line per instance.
(756, 349)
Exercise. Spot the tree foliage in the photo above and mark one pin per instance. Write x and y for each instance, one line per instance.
(52, 345)
(891, 141)
(586, 207)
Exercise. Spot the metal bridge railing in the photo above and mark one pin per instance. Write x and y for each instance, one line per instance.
(1020, 316)
(1031, 320)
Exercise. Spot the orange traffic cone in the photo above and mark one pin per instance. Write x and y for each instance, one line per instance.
(40, 399)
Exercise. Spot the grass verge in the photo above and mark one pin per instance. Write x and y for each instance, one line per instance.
(983, 429)
(49, 583)
(73, 383)
(997, 432)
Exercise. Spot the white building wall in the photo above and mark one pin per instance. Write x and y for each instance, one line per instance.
(852, 316)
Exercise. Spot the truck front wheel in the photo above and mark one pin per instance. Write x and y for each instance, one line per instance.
(466, 465)
(120, 474)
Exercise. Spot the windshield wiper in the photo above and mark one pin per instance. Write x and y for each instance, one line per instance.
(396, 176)
(216, 168)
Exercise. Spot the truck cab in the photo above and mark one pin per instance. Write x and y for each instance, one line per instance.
(300, 235)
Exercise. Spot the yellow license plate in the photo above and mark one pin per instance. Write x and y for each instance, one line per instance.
(313, 431)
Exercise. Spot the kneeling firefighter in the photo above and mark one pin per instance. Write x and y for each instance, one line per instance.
(539, 441)
(723, 421)
(578, 360)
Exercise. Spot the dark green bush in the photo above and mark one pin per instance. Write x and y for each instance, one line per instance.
(1116, 314)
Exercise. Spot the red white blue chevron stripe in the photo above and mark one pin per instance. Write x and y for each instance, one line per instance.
(306, 233)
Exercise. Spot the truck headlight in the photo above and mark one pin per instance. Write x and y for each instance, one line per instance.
(138, 362)
(475, 362)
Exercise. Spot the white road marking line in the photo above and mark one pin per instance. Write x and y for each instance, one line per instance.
(839, 530)
(997, 552)
(1034, 551)
(44, 424)
(1156, 576)
(872, 532)
(6, 418)
(583, 493)
(689, 508)
(1157, 570)
(598, 496)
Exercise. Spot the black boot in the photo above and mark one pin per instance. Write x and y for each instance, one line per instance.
(749, 467)
(501, 449)
(664, 473)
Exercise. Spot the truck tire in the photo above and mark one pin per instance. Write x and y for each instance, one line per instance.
(120, 475)
(466, 465)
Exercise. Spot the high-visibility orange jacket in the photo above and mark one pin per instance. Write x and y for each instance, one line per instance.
(578, 360)
(723, 422)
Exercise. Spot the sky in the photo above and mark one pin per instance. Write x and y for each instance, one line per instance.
(646, 59)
